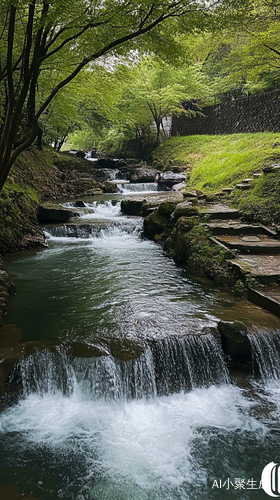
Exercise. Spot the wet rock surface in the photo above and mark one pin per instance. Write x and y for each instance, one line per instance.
(143, 174)
(185, 209)
(48, 213)
(169, 179)
(234, 340)
(133, 206)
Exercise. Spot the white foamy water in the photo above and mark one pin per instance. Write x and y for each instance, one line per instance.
(141, 448)
(97, 210)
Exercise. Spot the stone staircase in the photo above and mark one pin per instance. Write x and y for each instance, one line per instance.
(258, 253)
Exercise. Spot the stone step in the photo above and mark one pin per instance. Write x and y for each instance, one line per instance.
(235, 227)
(220, 212)
(267, 297)
(246, 181)
(256, 175)
(271, 168)
(263, 268)
(243, 186)
(254, 244)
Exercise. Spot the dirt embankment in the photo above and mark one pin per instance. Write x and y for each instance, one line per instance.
(39, 176)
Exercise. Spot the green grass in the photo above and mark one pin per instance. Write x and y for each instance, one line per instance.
(219, 161)
(262, 202)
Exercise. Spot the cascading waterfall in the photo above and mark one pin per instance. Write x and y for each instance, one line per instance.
(265, 347)
(159, 421)
(170, 365)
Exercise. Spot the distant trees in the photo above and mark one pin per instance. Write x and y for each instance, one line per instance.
(45, 44)
(247, 55)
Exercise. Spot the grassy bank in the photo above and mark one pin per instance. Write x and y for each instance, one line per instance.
(219, 161)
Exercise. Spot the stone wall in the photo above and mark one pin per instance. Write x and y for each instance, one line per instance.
(258, 113)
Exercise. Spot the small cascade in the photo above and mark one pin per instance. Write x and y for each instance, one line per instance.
(265, 347)
(78, 231)
(111, 173)
(170, 365)
(188, 362)
(145, 187)
(98, 210)
(46, 372)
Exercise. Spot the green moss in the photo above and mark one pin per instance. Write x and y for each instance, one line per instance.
(261, 202)
(205, 258)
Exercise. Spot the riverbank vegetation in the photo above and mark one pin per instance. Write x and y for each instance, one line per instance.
(45, 45)
(219, 161)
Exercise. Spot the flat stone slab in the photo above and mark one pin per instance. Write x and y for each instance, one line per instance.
(133, 205)
(267, 297)
(264, 268)
(220, 212)
(157, 197)
(235, 227)
(255, 244)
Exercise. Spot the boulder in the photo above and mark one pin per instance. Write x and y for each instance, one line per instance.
(93, 192)
(132, 207)
(53, 214)
(93, 154)
(185, 209)
(106, 163)
(178, 186)
(179, 239)
(167, 207)
(100, 175)
(81, 154)
(33, 241)
(109, 187)
(144, 174)
(155, 224)
(168, 179)
(81, 185)
(148, 207)
(189, 193)
(234, 340)
(80, 204)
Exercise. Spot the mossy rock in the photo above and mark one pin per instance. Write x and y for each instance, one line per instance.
(167, 207)
(132, 207)
(109, 187)
(189, 193)
(155, 223)
(148, 207)
(185, 209)
(182, 228)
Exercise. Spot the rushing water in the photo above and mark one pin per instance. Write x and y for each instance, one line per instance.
(132, 398)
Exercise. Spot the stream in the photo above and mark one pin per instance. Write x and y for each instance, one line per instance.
(128, 395)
